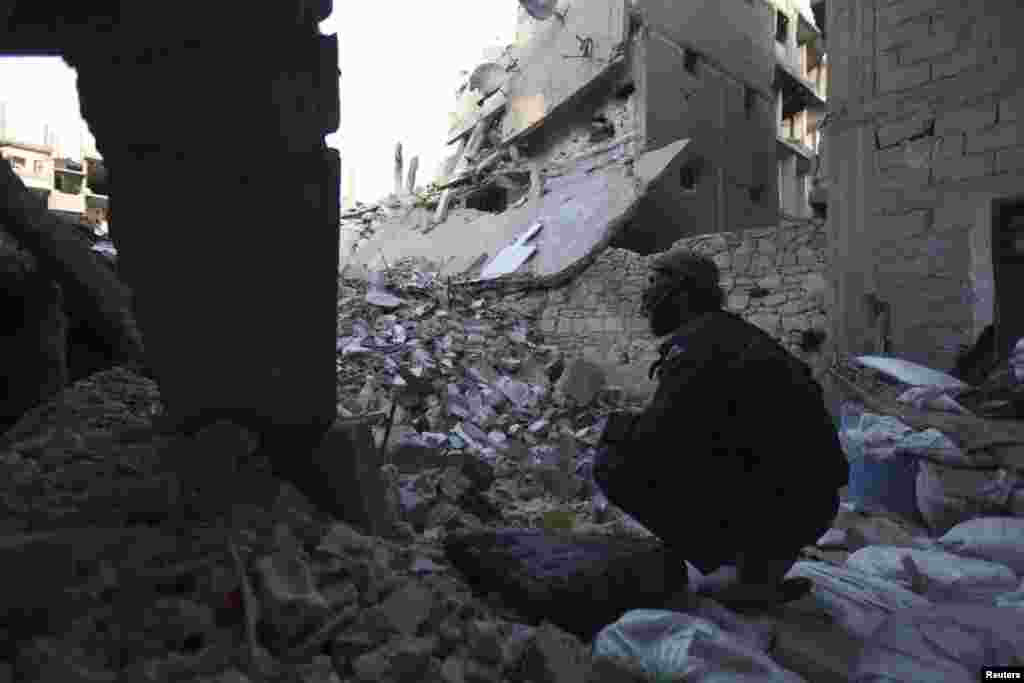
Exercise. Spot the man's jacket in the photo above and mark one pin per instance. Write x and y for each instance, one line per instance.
(735, 418)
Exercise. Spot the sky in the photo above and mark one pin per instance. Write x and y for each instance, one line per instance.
(399, 64)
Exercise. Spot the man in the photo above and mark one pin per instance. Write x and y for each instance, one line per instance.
(735, 463)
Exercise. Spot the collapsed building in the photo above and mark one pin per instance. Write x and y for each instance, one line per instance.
(612, 132)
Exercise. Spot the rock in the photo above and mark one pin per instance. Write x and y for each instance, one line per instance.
(582, 381)
(350, 645)
(291, 603)
(175, 621)
(408, 607)
(484, 641)
(372, 666)
(441, 514)
(513, 647)
(578, 582)
(342, 539)
(453, 670)
(341, 594)
(480, 473)
(555, 656)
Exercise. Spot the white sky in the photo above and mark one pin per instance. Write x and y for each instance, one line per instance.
(399, 63)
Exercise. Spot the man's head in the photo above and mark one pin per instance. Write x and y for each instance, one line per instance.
(681, 285)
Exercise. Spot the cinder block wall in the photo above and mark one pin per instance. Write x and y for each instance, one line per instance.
(935, 111)
(597, 315)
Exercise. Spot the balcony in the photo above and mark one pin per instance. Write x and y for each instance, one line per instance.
(67, 203)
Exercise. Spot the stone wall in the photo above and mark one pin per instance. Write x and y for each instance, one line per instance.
(598, 314)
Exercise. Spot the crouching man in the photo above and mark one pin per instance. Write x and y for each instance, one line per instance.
(735, 463)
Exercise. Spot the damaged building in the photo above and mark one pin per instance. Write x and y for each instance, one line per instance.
(925, 173)
(609, 132)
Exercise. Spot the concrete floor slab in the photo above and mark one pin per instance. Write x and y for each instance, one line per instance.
(583, 204)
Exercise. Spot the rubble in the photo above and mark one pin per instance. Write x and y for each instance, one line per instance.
(492, 433)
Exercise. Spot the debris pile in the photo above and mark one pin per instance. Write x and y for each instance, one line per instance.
(485, 422)
(114, 568)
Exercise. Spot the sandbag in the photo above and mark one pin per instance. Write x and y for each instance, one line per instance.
(948, 643)
(996, 539)
(948, 577)
(857, 601)
(946, 496)
(667, 645)
(1013, 600)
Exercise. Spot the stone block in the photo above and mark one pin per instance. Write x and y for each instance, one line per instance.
(1005, 135)
(903, 77)
(961, 168)
(741, 261)
(956, 62)
(773, 300)
(806, 256)
(564, 325)
(967, 119)
(901, 227)
(891, 34)
(792, 323)
(613, 324)
(951, 145)
(770, 282)
(764, 263)
(1011, 107)
(895, 13)
(895, 132)
(929, 47)
(794, 307)
(903, 178)
(738, 302)
(891, 157)
(1010, 160)
(547, 325)
(766, 246)
(769, 322)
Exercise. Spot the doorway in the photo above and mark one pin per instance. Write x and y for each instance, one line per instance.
(1008, 272)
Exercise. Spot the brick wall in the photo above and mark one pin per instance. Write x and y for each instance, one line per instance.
(598, 314)
(952, 144)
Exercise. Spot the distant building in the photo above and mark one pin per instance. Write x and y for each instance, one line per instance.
(74, 189)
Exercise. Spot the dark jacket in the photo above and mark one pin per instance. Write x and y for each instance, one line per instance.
(737, 423)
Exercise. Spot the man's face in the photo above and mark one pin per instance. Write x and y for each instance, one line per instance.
(664, 302)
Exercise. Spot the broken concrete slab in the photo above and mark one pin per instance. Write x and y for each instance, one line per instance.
(579, 582)
(583, 206)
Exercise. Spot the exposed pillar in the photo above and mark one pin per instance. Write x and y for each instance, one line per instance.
(398, 169)
(410, 183)
(237, 299)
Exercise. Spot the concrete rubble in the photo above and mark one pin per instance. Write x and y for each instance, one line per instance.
(487, 435)
(134, 553)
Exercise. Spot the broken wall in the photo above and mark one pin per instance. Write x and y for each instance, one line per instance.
(557, 60)
(729, 117)
(738, 34)
(925, 139)
(772, 277)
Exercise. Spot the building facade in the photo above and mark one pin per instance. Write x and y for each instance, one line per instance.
(75, 189)
(747, 83)
(925, 169)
